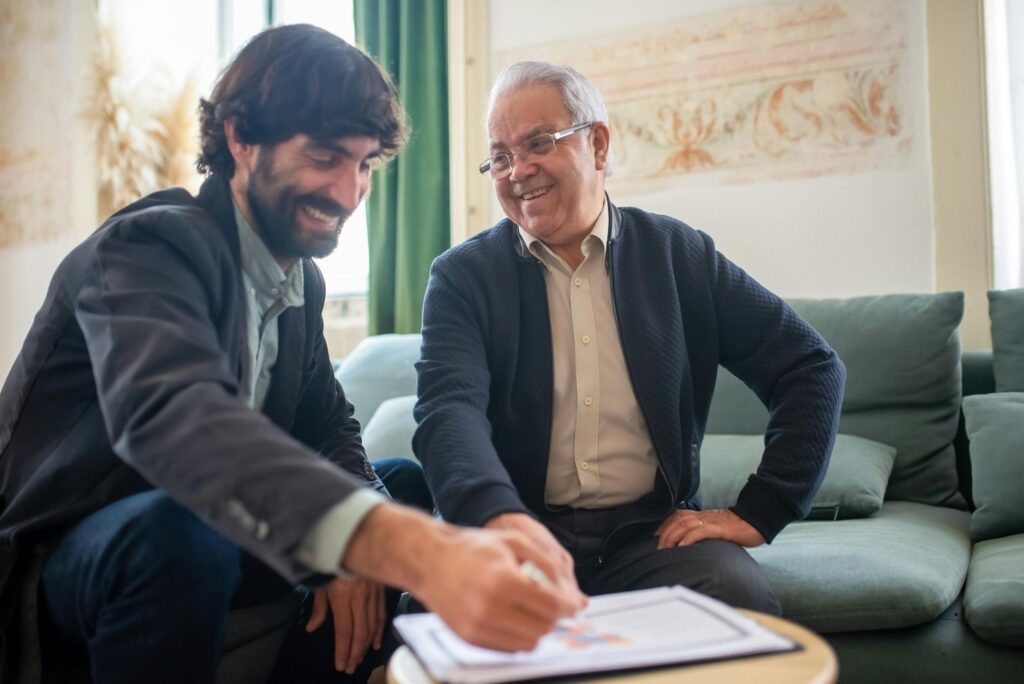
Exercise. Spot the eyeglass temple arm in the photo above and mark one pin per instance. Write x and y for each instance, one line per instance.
(569, 131)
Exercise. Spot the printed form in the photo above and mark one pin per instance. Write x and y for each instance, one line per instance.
(637, 629)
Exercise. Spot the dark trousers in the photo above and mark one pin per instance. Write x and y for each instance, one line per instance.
(629, 559)
(141, 590)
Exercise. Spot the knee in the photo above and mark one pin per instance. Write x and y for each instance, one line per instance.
(405, 482)
(169, 545)
(740, 582)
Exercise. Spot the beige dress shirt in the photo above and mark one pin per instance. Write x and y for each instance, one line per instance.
(601, 453)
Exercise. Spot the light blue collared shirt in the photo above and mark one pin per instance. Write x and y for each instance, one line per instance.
(269, 290)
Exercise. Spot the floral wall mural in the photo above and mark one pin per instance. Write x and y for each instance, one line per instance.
(784, 89)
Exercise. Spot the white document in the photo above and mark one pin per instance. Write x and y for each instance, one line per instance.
(668, 625)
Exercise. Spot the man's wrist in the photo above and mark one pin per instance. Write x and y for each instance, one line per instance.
(505, 517)
(324, 545)
(396, 545)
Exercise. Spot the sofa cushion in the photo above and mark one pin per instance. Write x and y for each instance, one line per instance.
(379, 368)
(902, 356)
(389, 432)
(901, 567)
(994, 597)
(1006, 311)
(995, 429)
(854, 485)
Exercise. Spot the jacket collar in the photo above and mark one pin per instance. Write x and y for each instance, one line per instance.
(614, 229)
(215, 198)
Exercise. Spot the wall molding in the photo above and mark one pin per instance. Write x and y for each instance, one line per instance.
(960, 170)
(468, 76)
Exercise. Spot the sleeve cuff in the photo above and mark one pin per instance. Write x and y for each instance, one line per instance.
(324, 546)
(765, 510)
(488, 502)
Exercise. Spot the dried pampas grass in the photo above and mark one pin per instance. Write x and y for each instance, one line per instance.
(177, 137)
(144, 140)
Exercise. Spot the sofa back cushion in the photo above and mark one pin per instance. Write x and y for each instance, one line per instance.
(995, 428)
(1006, 310)
(902, 356)
(379, 368)
(389, 433)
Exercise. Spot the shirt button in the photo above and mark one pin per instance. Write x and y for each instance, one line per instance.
(578, 282)
(275, 292)
(585, 465)
(585, 339)
(589, 401)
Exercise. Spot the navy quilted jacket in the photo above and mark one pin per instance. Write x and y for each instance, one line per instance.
(485, 374)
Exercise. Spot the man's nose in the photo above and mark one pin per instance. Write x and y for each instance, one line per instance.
(521, 168)
(348, 188)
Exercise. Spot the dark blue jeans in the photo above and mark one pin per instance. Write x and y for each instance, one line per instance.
(141, 589)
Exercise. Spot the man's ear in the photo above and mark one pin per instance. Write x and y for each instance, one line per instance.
(601, 138)
(242, 152)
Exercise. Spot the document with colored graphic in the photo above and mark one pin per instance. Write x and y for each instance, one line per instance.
(636, 629)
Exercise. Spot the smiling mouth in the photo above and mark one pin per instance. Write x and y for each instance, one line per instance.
(533, 194)
(319, 215)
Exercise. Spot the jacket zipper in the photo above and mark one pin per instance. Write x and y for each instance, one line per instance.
(550, 355)
(629, 371)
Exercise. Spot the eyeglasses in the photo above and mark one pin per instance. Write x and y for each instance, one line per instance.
(500, 165)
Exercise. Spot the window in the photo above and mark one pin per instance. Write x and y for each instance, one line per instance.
(1004, 59)
(164, 44)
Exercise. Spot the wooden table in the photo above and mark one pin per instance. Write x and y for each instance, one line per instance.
(815, 664)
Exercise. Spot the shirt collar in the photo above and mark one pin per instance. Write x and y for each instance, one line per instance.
(595, 241)
(263, 271)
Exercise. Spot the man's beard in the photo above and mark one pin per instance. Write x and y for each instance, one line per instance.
(275, 206)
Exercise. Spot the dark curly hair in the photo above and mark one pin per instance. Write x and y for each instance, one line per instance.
(298, 79)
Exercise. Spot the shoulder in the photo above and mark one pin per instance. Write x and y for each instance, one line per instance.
(177, 230)
(169, 214)
(650, 231)
(648, 224)
(486, 252)
(167, 241)
(172, 218)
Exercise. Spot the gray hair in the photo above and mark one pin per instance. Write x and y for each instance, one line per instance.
(580, 97)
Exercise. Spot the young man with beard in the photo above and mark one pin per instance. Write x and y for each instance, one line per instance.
(173, 441)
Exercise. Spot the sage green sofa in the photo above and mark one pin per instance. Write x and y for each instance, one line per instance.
(896, 566)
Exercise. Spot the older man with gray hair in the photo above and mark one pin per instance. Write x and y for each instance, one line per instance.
(569, 358)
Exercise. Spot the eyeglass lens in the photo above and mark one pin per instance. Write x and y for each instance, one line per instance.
(536, 146)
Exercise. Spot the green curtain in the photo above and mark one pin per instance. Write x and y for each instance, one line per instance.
(408, 207)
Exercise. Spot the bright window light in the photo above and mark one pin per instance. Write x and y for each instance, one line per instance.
(346, 270)
(198, 37)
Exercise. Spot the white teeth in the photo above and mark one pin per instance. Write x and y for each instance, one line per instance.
(536, 193)
(317, 214)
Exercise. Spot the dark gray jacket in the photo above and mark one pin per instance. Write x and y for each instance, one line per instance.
(129, 380)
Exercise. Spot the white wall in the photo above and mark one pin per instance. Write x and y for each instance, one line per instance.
(48, 198)
(834, 235)
(25, 273)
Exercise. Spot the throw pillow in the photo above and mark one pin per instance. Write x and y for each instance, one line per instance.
(902, 356)
(854, 484)
(1006, 311)
(995, 428)
(379, 368)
